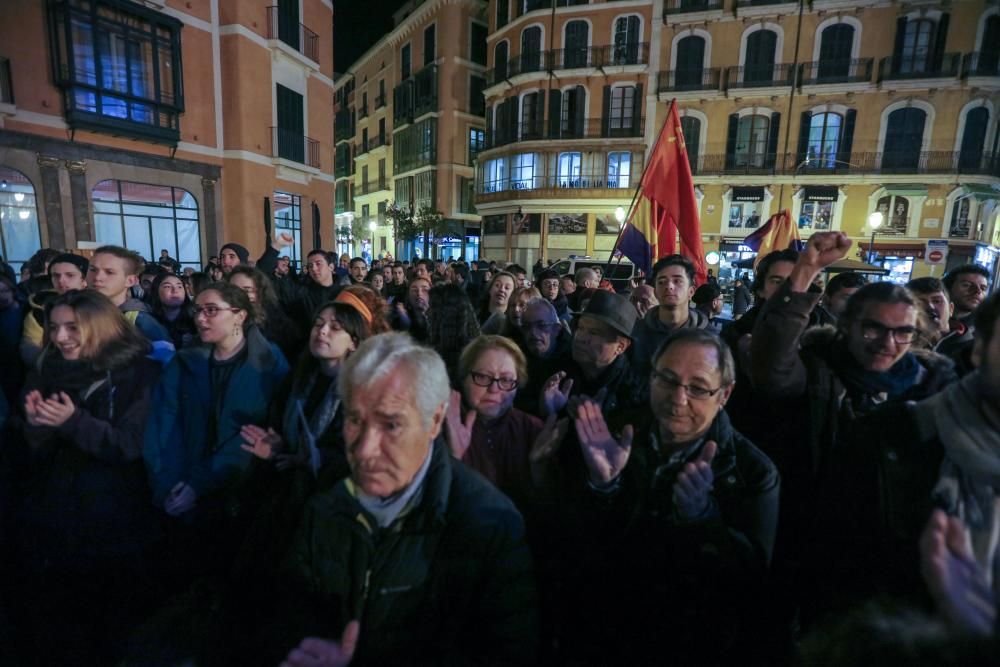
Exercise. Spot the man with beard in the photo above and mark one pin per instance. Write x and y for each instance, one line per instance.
(395, 289)
(967, 287)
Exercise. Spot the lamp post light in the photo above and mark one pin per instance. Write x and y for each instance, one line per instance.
(620, 215)
(874, 222)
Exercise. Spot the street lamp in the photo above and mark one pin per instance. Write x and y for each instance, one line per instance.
(620, 215)
(874, 222)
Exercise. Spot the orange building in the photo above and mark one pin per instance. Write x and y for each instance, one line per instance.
(409, 124)
(164, 124)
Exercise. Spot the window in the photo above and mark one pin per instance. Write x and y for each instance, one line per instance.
(495, 175)
(430, 44)
(381, 94)
(381, 212)
(619, 169)
(364, 104)
(572, 108)
(760, 54)
(381, 174)
(970, 157)
(744, 214)
(404, 193)
(381, 131)
(916, 47)
(836, 42)
(691, 128)
(824, 139)
(904, 139)
(477, 49)
(365, 185)
(288, 218)
(147, 218)
(522, 174)
(341, 198)
(816, 215)
(365, 212)
(531, 117)
(20, 236)
(500, 61)
(690, 63)
(404, 62)
(576, 43)
(477, 101)
(477, 142)
(466, 195)
(290, 142)
(288, 23)
(423, 186)
(343, 161)
(622, 107)
(531, 49)
(415, 146)
(751, 140)
(568, 169)
(364, 140)
(503, 13)
(119, 66)
(896, 212)
(626, 51)
(960, 222)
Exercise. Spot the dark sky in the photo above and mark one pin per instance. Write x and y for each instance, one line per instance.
(357, 24)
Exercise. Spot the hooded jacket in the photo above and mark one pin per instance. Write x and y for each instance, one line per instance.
(178, 446)
(649, 332)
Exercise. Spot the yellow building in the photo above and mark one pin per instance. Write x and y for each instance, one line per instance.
(164, 124)
(409, 123)
(830, 109)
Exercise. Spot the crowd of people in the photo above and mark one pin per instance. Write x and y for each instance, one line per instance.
(470, 463)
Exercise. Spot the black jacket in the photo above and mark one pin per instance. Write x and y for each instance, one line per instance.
(449, 583)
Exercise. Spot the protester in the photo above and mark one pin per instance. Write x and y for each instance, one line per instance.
(838, 290)
(396, 290)
(585, 281)
(268, 317)
(967, 287)
(741, 298)
(547, 282)
(376, 279)
(411, 315)
(232, 255)
(465, 601)
(192, 441)
(498, 292)
(708, 301)
(672, 279)
(643, 297)
(451, 325)
(171, 306)
(371, 300)
(86, 532)
(509, 323)
(358, 269)
(67, 272)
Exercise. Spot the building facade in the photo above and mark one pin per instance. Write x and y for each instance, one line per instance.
(830, 109)
(409, 123)
(165, 124)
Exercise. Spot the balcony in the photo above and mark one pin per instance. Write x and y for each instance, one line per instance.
(760, 76)
(857, 163)
(295, 35)
(363, 112)
(574, 182)
(415, 96)
(675, 7)
(743, 4)
(689, 80)
(974, 64)
(379, 101)
(634, 53)
(290, 145)
(370, 187)
(373, 143)
(6, 83)
(590, 128)
(901, 68)
(343, 126)
(823, 72)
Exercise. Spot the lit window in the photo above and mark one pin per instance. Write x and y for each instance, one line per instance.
(619, 168)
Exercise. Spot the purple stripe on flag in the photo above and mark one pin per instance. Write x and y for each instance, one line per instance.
(637, 248)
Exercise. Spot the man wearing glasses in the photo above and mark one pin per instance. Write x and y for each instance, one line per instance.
(547, 345)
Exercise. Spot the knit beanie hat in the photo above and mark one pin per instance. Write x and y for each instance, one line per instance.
(240, 251)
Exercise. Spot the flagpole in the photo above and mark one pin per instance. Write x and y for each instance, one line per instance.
(635, 195)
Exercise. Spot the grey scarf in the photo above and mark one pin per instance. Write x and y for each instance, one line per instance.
(969, 483)
(302, 431)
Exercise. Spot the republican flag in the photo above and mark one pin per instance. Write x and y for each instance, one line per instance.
(665, 207)
(778, 233)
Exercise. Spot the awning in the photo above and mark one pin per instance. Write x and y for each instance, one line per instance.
(820, 193)
(748, 194)
(895, 249)
(980, 192)
(854, 266)
(904, 190)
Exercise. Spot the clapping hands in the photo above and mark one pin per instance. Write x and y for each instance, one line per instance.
(693, 485)
(53, 411)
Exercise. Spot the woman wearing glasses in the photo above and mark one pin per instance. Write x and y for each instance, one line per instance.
(692, 495)
(208, 392)
(490, 435)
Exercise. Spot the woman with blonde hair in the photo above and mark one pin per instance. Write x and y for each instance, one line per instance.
(498, 292)
(85, 528)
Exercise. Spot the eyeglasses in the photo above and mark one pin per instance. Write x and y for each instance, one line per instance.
(485, 380)
(872, 330)
(692, 390)
(538, 326)
(211, 311)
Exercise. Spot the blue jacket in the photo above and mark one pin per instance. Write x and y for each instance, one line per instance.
(178, 446)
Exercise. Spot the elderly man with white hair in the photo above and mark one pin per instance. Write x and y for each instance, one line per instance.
(414, 558)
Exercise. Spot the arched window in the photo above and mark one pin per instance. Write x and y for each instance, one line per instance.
(904, 137)
(896, 214)
(752, 140)
(503, 13)
(531, 49)
(917, 45)
(147, 219)
(571, 114)
(691, 127)
(760, 54)
(20, 237)
(970, 156)
(500, 61)
(626, 51)
(836, 42)
(690, 64)
(575, 44)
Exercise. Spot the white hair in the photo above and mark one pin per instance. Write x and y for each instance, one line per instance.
(542, 302)
(379, 355)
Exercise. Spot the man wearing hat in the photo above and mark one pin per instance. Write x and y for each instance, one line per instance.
(232, 255)
(708, 300)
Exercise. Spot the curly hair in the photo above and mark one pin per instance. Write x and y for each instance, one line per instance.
(376, 304)
(267, 298)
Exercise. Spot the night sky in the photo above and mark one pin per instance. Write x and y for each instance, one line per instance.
(357, 24)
